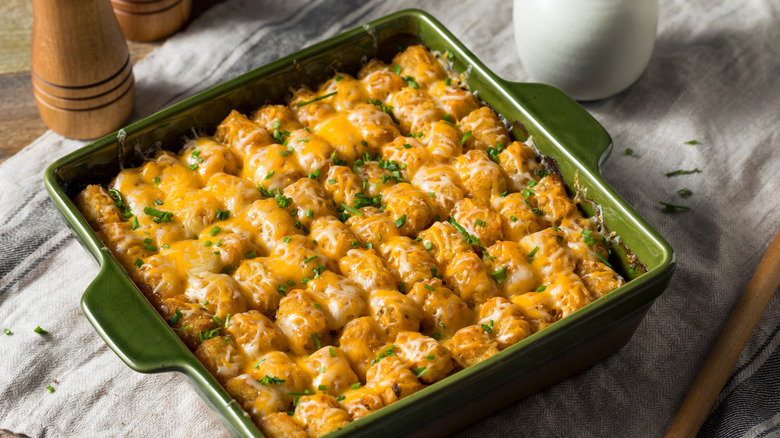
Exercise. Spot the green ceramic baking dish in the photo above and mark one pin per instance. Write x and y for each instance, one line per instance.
(563, 130)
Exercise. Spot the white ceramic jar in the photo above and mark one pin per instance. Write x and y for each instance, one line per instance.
(591, 49)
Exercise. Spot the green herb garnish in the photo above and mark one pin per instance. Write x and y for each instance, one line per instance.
(300, 104)
(499, 275)
(683, 172)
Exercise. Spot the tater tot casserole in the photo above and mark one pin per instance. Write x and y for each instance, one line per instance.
(326, 257)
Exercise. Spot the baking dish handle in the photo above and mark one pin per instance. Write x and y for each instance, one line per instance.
(575, 129)
(127, 322)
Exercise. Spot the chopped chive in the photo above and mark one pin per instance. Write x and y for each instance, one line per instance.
(50, 389)
(513, 218)
(354, 211)
(282, 289)
(532, 254)
(479, 223)
(316, 338)
(310, 259)
(134, 223)
(177, 316)
(589, 239)
(214, 231)
(332, 352)
(156, 180)
(430, 357)
(629, 151)
(270, 174)
(40, 331)
(397, 69)
(286, 239)
(429, 287)
(8, 332)
(259, 362)
(309, 213)
(466, 135)
(159, 216)
(692, 142)
(356, 385)
(598, 254)
(300, 104)
(400, 221)
(419, 371)
(286, 153)
(270, 380)
(428, 245)
(138, 263)
(447, 82)
(683, 172)
(684, 193)
(488, 327)
(671, 208)
(250, 255)
(499, 275)
(541, 288)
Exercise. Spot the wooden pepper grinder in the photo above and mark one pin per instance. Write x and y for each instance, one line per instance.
(81, 71)
(151, 20)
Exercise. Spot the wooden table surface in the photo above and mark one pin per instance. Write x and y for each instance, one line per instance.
(20, 123)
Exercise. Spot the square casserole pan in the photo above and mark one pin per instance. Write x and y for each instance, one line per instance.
(562, 130)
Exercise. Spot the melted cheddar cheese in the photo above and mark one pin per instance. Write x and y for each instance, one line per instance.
(330, 256)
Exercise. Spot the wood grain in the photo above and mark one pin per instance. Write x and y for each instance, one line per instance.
(145, 20)
(20, 122)
(730, 344)
(81, 71)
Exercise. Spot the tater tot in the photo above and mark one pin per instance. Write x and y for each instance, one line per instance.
(360, 341)
(444, 313)
(471, 345)
(394, 312)
(410, 208)
(366, 268)
(479, 220)
(431, 361)
(392, 378)
(486, 129)
(468, 277)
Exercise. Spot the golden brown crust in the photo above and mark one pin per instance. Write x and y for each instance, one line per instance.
(330, 256)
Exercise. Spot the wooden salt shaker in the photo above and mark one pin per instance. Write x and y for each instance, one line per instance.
(151, 20)
(81, 71)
